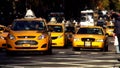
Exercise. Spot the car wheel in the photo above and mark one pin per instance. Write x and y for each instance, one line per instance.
(105, 48)
(76, 49)
(49, 51)
(10, 53)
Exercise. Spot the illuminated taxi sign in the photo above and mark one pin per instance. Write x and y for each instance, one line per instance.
(30, 14)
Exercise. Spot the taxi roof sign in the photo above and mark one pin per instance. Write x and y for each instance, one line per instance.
(87, 11)
(29, 14)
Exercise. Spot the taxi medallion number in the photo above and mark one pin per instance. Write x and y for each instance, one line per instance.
(26, 45)
(87, 44)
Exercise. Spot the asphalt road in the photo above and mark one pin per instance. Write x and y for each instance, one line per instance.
(64, 58)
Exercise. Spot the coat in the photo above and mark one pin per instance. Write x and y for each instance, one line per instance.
(117, 26)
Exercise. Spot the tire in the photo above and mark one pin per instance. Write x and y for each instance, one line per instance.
(10, 53)
(105, 48)
(76, 49)
(49, 51)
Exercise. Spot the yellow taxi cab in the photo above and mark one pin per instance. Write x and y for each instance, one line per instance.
(29, 35)
(2, 28)
(109, 29)
(57, 34)
(3, 34)
(92, 37)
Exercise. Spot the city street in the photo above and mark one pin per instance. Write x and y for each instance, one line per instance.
(50, 26)
(64, 57)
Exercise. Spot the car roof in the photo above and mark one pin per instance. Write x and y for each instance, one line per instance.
(30, 19)
(2, 26)
(91, 26)
(55, 23)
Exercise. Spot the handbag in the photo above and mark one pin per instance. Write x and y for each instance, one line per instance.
(116, 43)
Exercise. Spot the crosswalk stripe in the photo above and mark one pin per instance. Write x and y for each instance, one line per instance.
(61, 52)
(85, 60)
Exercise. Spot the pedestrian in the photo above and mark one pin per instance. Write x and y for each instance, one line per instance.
(117, 33)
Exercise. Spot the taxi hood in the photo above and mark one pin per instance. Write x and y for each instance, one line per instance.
(18, 33)
(89, 36)
(56, 34)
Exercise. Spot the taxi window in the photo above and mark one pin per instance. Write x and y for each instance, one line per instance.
(110, 26)
(55, 28)
(90, 31)
(83, 19)
(28, 25)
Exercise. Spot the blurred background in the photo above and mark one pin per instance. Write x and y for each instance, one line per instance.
(11, 9)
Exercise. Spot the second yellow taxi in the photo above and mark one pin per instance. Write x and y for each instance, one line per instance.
(109, 29)
(92, 37)
(57, 34)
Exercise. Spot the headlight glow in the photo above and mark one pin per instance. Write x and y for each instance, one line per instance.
(1, 37)
(11, 37)
(60, 36)
(76, 39)
(99, 40)
(41, 37)
(110, 30)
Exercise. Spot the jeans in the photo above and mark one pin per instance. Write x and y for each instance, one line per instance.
(118, 47)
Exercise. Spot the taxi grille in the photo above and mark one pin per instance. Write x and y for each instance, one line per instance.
(26, 47)
(26, 36)
(54, 37)
(31, 42)
(88, 39)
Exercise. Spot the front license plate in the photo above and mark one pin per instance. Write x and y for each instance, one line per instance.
(87, 44)
(26, 45)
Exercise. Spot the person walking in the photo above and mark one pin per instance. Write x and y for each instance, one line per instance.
(117, 33)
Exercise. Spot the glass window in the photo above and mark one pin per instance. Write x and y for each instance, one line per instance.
(90, 31)
(28, 25)
(55, 28)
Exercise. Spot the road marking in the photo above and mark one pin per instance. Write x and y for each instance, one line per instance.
(94, 52)
(61, 52)
(77, 52)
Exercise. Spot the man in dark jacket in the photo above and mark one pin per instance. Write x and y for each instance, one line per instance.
(117, 31)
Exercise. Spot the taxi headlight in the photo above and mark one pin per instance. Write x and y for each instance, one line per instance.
(41, 37)
(110, 30)
(99, 40)
(1, 37)
(11, 37)
(76, 39)
(60, 36)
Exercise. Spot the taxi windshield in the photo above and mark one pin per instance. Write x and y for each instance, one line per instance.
(83, 19)
(28, 25)
(90, 31)
(110, 27)
(55, 28)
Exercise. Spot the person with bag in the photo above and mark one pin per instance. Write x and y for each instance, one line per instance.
(116, 43)
(117, 34)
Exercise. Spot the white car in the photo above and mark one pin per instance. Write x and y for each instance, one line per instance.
(86, 21)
